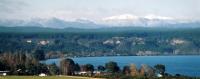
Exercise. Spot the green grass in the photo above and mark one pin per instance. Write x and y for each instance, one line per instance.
(47, 77)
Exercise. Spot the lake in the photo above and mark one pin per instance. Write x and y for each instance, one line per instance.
(186, 65)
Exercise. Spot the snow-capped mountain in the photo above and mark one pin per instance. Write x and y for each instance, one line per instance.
(132, 20)
(51, 23)
(125, 20)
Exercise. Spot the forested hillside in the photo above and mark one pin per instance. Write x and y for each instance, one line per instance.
(100, 42)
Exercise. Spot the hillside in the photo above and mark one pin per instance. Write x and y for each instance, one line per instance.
(102, 41)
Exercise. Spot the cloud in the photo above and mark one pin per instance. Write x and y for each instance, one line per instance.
(13, 9)
(98, 9)
(12, 5)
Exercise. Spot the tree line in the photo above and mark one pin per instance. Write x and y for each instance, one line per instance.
(26, 64)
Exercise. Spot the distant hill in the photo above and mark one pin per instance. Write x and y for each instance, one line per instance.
(102, 41)
(36, 29)
(87, 24)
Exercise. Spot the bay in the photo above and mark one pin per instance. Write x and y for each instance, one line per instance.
(185, 65)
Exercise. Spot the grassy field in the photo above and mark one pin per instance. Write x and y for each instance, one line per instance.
(47, 77)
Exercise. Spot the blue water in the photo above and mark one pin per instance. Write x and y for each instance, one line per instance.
(186, 65)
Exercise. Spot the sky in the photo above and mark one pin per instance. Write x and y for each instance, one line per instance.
(96, 10)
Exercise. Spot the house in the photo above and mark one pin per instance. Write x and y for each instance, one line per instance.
(4, 73)
(83, 73)
(29, 41)
(90, 73)
(98, 73)
(42, 74)
(159, 75)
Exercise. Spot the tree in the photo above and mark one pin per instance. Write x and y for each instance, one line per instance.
(42, 68)
(88, 68)
(101, 68)
(112, 67)
(67, 66)
(142, 71)
(133, 70)
(4, 66)
(146, 71)
(20, 69)
(160, 68)
(77, 67)
(31, 69)
(53, 69)
(39, 55)
(126, 70)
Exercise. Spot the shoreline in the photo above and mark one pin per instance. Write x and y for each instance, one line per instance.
(123, 56)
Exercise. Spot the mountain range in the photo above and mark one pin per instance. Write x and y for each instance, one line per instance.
(125, 20)
(50, 23)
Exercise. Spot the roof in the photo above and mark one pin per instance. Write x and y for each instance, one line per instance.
(4, 71)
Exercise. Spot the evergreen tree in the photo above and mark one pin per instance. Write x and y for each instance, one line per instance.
(67, 66)
(112, 67)
(53, 69)
(39, 55)
(101, 68)
(126, 70)
(160, 68)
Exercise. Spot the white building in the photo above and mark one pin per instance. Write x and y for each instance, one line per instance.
(42, 74)
(4, 73)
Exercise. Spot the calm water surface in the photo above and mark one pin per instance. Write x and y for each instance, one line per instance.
(186, 65)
